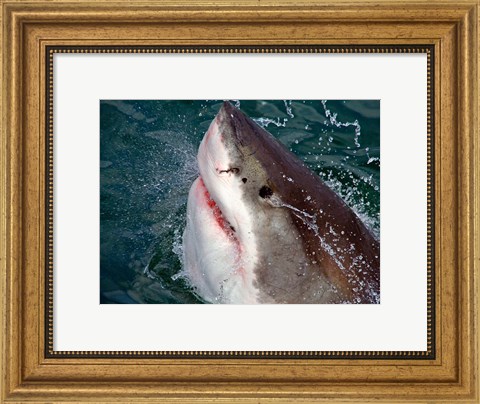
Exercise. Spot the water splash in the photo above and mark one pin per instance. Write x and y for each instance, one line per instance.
(237, 103)
(177, 249)
(288, 107)
(355, 200)
(278, 122)
(264, 122)
(333, 121)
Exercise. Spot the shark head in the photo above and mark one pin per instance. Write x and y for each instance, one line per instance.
(256, 222)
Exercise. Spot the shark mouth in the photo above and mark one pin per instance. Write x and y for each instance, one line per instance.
(209, 203)
(214, 257)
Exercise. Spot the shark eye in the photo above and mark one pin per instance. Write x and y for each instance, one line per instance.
(244, 180)
(265, 192)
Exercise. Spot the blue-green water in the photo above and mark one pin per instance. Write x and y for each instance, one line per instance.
(148, 162)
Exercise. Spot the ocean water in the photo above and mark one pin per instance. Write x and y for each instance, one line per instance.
(148, 163)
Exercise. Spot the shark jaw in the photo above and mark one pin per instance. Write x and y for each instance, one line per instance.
(218, 242)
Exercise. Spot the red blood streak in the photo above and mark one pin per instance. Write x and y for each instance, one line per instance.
(217, 213)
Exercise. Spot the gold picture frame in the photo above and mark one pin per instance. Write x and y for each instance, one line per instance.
(32, 31)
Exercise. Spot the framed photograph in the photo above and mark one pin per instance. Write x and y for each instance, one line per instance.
(239, 201)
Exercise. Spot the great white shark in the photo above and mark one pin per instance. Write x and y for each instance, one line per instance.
(263, 228)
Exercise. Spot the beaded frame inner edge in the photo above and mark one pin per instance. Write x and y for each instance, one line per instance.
(429, 354)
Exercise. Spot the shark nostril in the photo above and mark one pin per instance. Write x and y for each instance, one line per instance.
(265, 192)
(232, 170)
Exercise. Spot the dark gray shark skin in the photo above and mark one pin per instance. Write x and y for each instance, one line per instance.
(312, 247)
